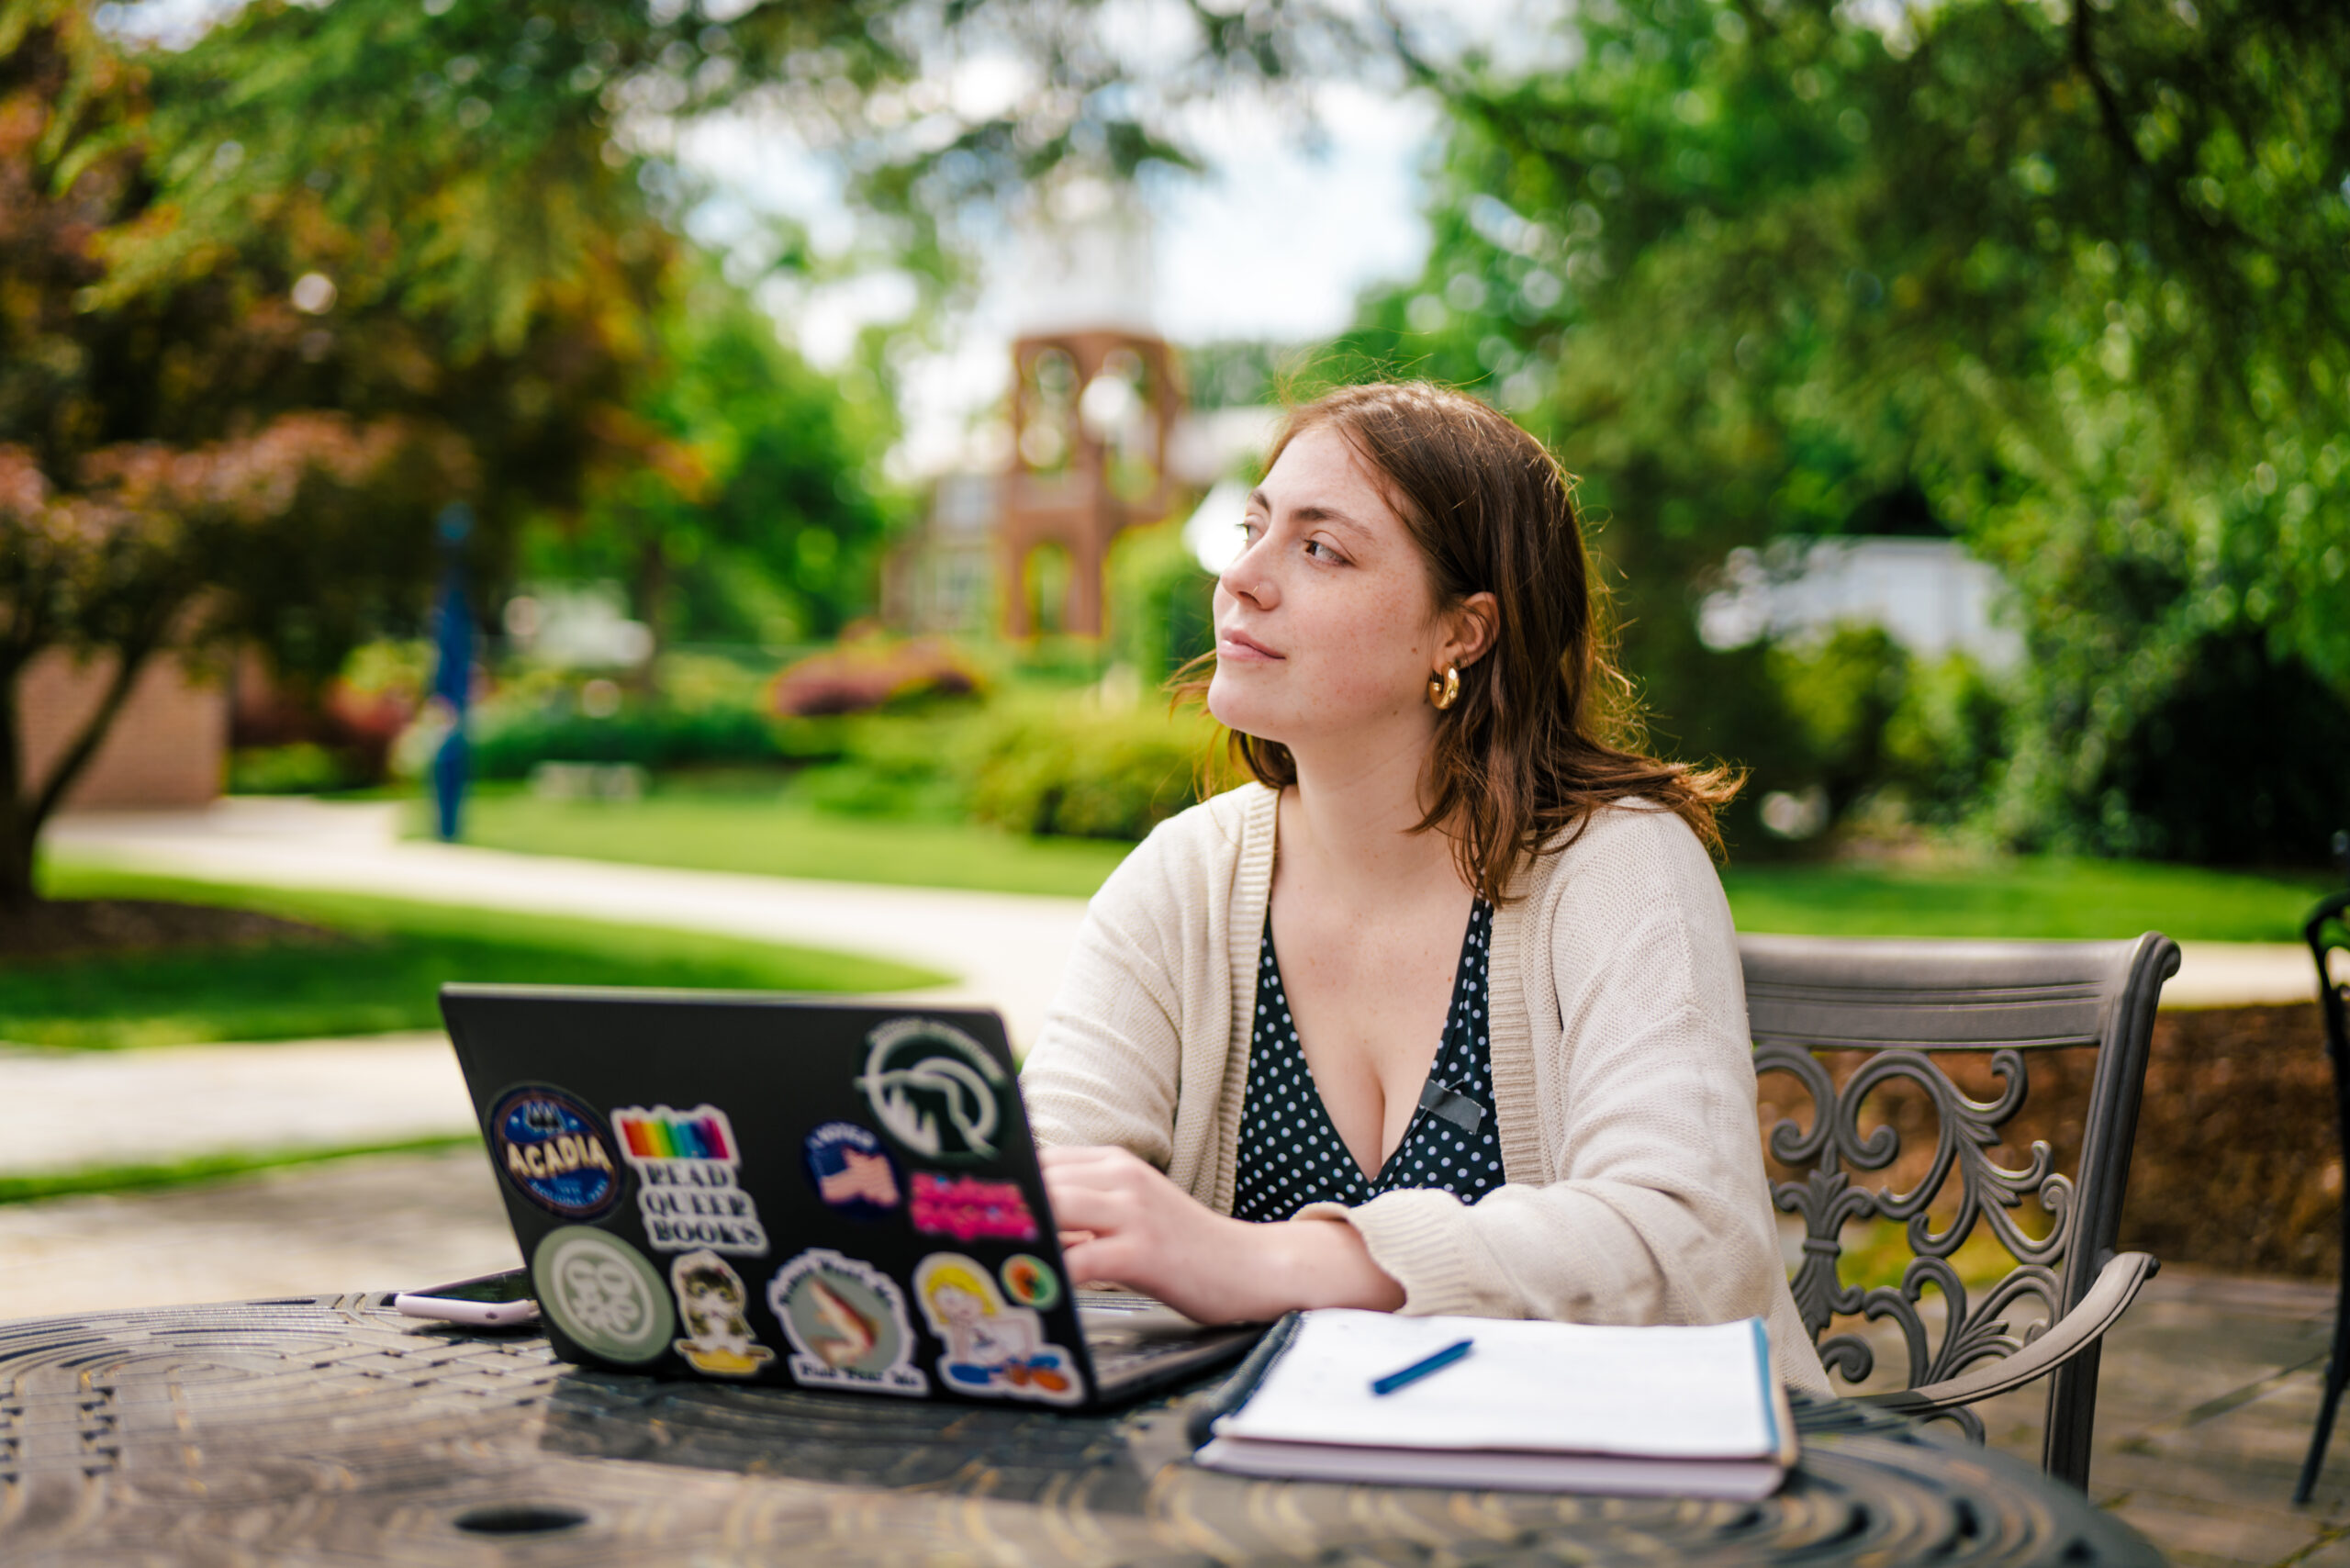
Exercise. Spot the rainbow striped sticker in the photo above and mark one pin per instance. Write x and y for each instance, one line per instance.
(685, 1164)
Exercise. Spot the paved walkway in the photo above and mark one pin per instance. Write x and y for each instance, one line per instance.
(136, 1107)
(1006, 950)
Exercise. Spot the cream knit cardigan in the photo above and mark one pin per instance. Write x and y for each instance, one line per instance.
(1622, 1073)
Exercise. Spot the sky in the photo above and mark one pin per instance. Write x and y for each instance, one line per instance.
(1275, 240)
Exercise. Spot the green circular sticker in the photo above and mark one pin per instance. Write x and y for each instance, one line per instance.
(602, 1292)
(1030, 1281)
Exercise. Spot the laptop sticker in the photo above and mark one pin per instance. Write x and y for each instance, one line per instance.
(602, 1292)
(993, 1349)
(554, 1151)
(935, 1089)
(710, 1299)
(852, 1174)
(1030, 1281)
(847, 1324)
(686, 1163)
(967, 1207)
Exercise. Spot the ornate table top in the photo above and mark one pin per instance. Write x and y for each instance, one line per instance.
(335, 1431)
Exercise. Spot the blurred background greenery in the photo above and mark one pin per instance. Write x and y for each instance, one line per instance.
(2060, 291)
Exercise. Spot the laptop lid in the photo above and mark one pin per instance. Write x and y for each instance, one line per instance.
(769, 1189)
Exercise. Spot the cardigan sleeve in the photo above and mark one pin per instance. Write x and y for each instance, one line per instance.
(1658, 1209)
(1105, 1067)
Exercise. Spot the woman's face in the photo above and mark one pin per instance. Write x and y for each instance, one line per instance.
(1327, 623)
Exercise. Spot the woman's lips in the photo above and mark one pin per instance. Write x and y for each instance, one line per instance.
(1240, 645)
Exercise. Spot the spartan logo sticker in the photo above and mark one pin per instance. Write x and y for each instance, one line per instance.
(685, 1163)
(710, 1299)
(935, 1089)
(554, 1151)
(600, 1290)
(847, 1323)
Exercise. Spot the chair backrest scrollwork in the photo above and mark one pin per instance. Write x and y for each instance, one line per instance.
(1887, 1015)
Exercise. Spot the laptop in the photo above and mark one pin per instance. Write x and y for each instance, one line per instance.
(765, 1189)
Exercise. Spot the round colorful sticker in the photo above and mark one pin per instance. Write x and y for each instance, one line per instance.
(600, 1290)
(554, 1151)
(1030, 1281)
(852, 1174)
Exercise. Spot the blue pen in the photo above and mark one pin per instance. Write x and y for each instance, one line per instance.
(1420, 1369)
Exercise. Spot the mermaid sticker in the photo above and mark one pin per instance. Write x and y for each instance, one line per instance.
(993, 1349)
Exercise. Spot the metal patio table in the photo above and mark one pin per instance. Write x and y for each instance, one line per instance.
(332, 1430)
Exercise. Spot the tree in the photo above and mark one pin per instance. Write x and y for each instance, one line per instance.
(117, 541)
(2073, 280)
(768, 526)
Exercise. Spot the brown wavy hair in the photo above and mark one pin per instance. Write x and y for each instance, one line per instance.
(1546, 730)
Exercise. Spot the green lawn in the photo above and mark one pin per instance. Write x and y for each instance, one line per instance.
(381, 974)
(1999, 897)
(2022, 897)
(771, 836)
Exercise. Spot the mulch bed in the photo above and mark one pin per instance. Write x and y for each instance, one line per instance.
(84, 928)
(2236, 1167)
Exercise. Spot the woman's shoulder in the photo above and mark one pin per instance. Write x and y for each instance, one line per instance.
(1633, 840)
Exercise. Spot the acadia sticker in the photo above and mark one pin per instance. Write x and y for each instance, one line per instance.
(554, 1151)
(686, 1163)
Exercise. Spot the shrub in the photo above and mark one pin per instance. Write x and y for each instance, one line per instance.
(302, 767)
(867, 673)
(508, 743)
(1086, 770)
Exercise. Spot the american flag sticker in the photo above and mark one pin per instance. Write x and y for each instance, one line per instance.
(851, 1171)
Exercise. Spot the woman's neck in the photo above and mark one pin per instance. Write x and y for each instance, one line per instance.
(1348, 821)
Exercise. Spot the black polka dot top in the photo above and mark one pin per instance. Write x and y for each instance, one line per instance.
(1291, 1154)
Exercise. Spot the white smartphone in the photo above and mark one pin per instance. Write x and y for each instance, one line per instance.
(493, 1301)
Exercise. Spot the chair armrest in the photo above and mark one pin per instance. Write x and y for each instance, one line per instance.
(2115, 1287)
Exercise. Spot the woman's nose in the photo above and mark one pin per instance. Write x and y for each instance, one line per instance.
(1245, 577)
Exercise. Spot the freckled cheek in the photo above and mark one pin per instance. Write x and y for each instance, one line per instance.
(1363, 650)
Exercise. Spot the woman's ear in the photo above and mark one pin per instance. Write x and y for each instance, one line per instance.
(1470, 635)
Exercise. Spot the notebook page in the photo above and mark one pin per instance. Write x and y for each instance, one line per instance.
(1574, 1388)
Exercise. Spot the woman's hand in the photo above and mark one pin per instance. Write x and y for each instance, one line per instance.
(1149, 1234)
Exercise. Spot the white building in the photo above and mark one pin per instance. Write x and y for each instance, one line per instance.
(1930, 595)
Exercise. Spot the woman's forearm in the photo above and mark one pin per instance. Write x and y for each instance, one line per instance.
(1322, 1262)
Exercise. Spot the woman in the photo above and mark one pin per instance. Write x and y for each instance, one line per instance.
(1443, 1014)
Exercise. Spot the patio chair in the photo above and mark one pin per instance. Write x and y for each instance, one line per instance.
(2328, 932)
(1893, 1003)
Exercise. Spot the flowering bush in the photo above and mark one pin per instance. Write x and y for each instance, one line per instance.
(871, 672)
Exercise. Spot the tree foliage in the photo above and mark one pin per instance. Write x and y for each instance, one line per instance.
(132, 516)
(767, 523)
(2068, 280)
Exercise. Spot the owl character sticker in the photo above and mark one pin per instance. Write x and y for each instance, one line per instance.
(993, 1349)
(710, 1298)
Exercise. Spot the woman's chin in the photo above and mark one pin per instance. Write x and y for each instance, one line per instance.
(1231, 704)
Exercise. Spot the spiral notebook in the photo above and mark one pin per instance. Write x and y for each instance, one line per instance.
(1532, 1406)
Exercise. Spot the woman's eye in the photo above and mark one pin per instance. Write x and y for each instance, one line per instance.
(1326, 552)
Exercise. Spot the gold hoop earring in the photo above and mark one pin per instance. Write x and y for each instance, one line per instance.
(1444, 690)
